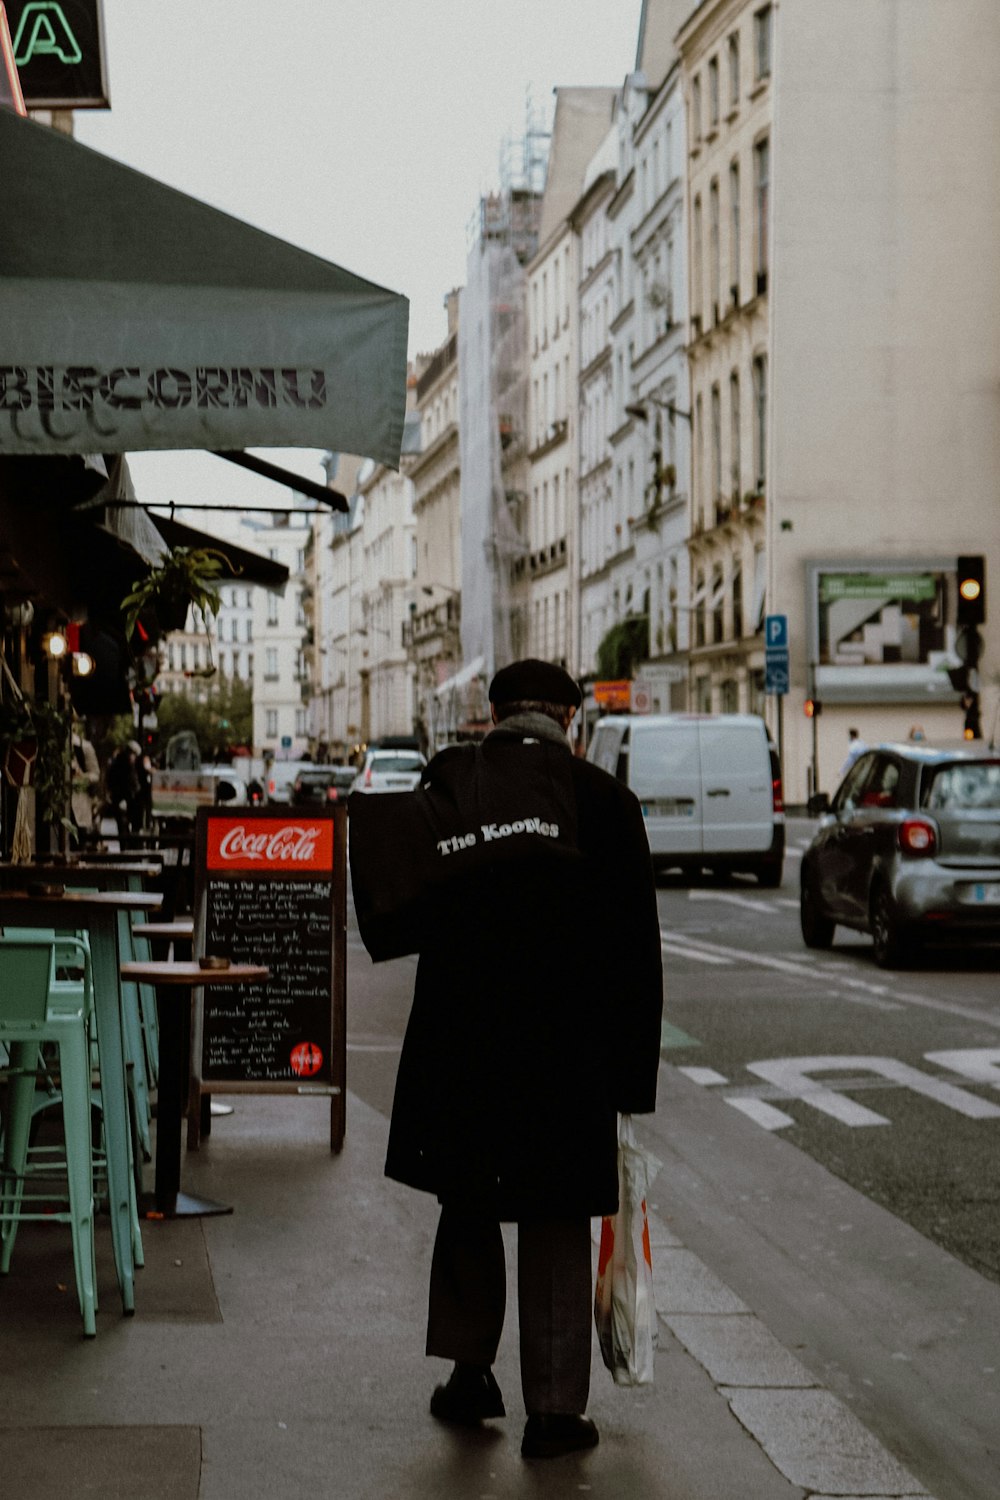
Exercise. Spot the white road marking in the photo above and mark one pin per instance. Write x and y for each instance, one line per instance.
(792, 1074)
(704, 1076)
(680, 951)
(761, 1113)
(747, 902)
(981, 1064)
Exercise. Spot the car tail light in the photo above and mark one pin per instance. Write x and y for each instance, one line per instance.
(777, 799)
(331, 794)
(918, 836)
(368, 776)
(270, 787)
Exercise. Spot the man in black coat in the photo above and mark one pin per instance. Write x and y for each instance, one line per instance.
(535, 1021)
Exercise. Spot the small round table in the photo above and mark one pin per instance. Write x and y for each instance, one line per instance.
(175, 980)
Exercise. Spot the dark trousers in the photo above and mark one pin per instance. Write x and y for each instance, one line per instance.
(555, 1292)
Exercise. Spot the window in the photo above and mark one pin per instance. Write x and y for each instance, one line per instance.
(697, 457)
(734, 233)
(718, 595)
(734, 70)
(762, 41)
(271, 664)
(734, 436)
(272, 608)
(737, 600)
(696, 110)
(713, 93)
(300, 721)
(696, 246)
(760, 421)
(761, 175)
(714, 258)
(699, 612)
(271, 723)
(716, 443)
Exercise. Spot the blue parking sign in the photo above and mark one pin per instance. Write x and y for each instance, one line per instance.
(776, 633)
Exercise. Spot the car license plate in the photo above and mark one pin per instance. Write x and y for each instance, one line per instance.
(668, 807)
(982, 893)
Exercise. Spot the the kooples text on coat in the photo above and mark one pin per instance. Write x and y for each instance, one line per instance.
(497, 831)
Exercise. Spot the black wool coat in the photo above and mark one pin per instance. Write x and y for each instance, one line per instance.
(537, 1007)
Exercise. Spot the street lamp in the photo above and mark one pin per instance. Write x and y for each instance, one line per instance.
(640, 409)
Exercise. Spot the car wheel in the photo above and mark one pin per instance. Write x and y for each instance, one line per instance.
(888, 937)
(817, 929)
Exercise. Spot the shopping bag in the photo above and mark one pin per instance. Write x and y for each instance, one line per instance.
(624, 1309)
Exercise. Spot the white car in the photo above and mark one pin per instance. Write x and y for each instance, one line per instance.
(389, 771)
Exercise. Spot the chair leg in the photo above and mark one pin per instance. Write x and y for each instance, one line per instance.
(80, 1170)
(20, 1103)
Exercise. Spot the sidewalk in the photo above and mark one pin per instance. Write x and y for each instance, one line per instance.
(277, 1353)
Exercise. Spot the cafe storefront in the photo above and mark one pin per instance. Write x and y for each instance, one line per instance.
(136, 318)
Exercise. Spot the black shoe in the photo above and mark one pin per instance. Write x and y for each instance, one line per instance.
(470, 1396)
(550, 1434)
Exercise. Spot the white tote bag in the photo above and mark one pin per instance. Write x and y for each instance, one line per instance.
(624, 1309)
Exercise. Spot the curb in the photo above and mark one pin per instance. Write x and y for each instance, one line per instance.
(808, 1434)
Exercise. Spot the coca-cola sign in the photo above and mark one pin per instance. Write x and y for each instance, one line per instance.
(292, 846)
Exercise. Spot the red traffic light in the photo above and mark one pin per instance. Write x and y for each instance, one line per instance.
(812, 708)
(971, 581)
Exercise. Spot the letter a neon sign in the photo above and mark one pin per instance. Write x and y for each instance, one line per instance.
(42, 25)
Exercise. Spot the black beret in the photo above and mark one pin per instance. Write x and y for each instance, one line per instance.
(532, 681)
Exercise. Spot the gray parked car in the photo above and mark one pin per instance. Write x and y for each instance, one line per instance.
(908, 850)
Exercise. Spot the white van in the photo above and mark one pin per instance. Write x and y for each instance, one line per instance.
(709, 786)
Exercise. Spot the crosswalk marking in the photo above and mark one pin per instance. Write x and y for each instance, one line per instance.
(704, 1076)
(791, 1078)
(761, 1113)
(981, 1064)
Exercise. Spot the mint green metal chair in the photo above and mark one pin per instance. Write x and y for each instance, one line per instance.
(37, 1010)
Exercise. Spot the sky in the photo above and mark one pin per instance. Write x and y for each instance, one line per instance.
(365, 131)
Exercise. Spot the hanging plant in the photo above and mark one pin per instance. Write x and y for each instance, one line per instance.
(36, 747)
(188, 576)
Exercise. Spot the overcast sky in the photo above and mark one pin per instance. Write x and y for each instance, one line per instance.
(363, 130)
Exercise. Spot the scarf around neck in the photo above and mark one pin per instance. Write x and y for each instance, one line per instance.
(534, 726)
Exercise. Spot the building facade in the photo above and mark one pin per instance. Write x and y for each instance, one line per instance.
(727, 51)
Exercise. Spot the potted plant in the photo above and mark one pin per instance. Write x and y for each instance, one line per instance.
(187, 577)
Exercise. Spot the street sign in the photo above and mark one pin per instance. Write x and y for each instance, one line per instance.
(59, 52)
(286, 742)
(776, 633)
(776, 673)
(642, 700)
(776, 654)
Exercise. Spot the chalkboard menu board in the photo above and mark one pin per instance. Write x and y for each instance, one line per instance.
(272, 889)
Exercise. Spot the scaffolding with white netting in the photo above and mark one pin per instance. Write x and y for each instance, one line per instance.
(493, 413)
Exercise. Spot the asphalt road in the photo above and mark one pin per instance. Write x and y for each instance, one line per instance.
(878, 1076)
(890, 1080)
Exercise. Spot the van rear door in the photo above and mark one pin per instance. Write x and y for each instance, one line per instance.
(665, 775)
(738, 813)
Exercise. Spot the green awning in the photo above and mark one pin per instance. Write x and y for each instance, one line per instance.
(135, 317)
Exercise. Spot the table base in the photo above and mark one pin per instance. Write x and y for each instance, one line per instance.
(185, 1206)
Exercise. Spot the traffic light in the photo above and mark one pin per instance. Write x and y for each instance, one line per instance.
(971, 579)
(972, 729)
(812, 708)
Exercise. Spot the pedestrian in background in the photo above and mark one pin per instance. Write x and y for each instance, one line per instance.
(855, 747)
(536, 1019)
